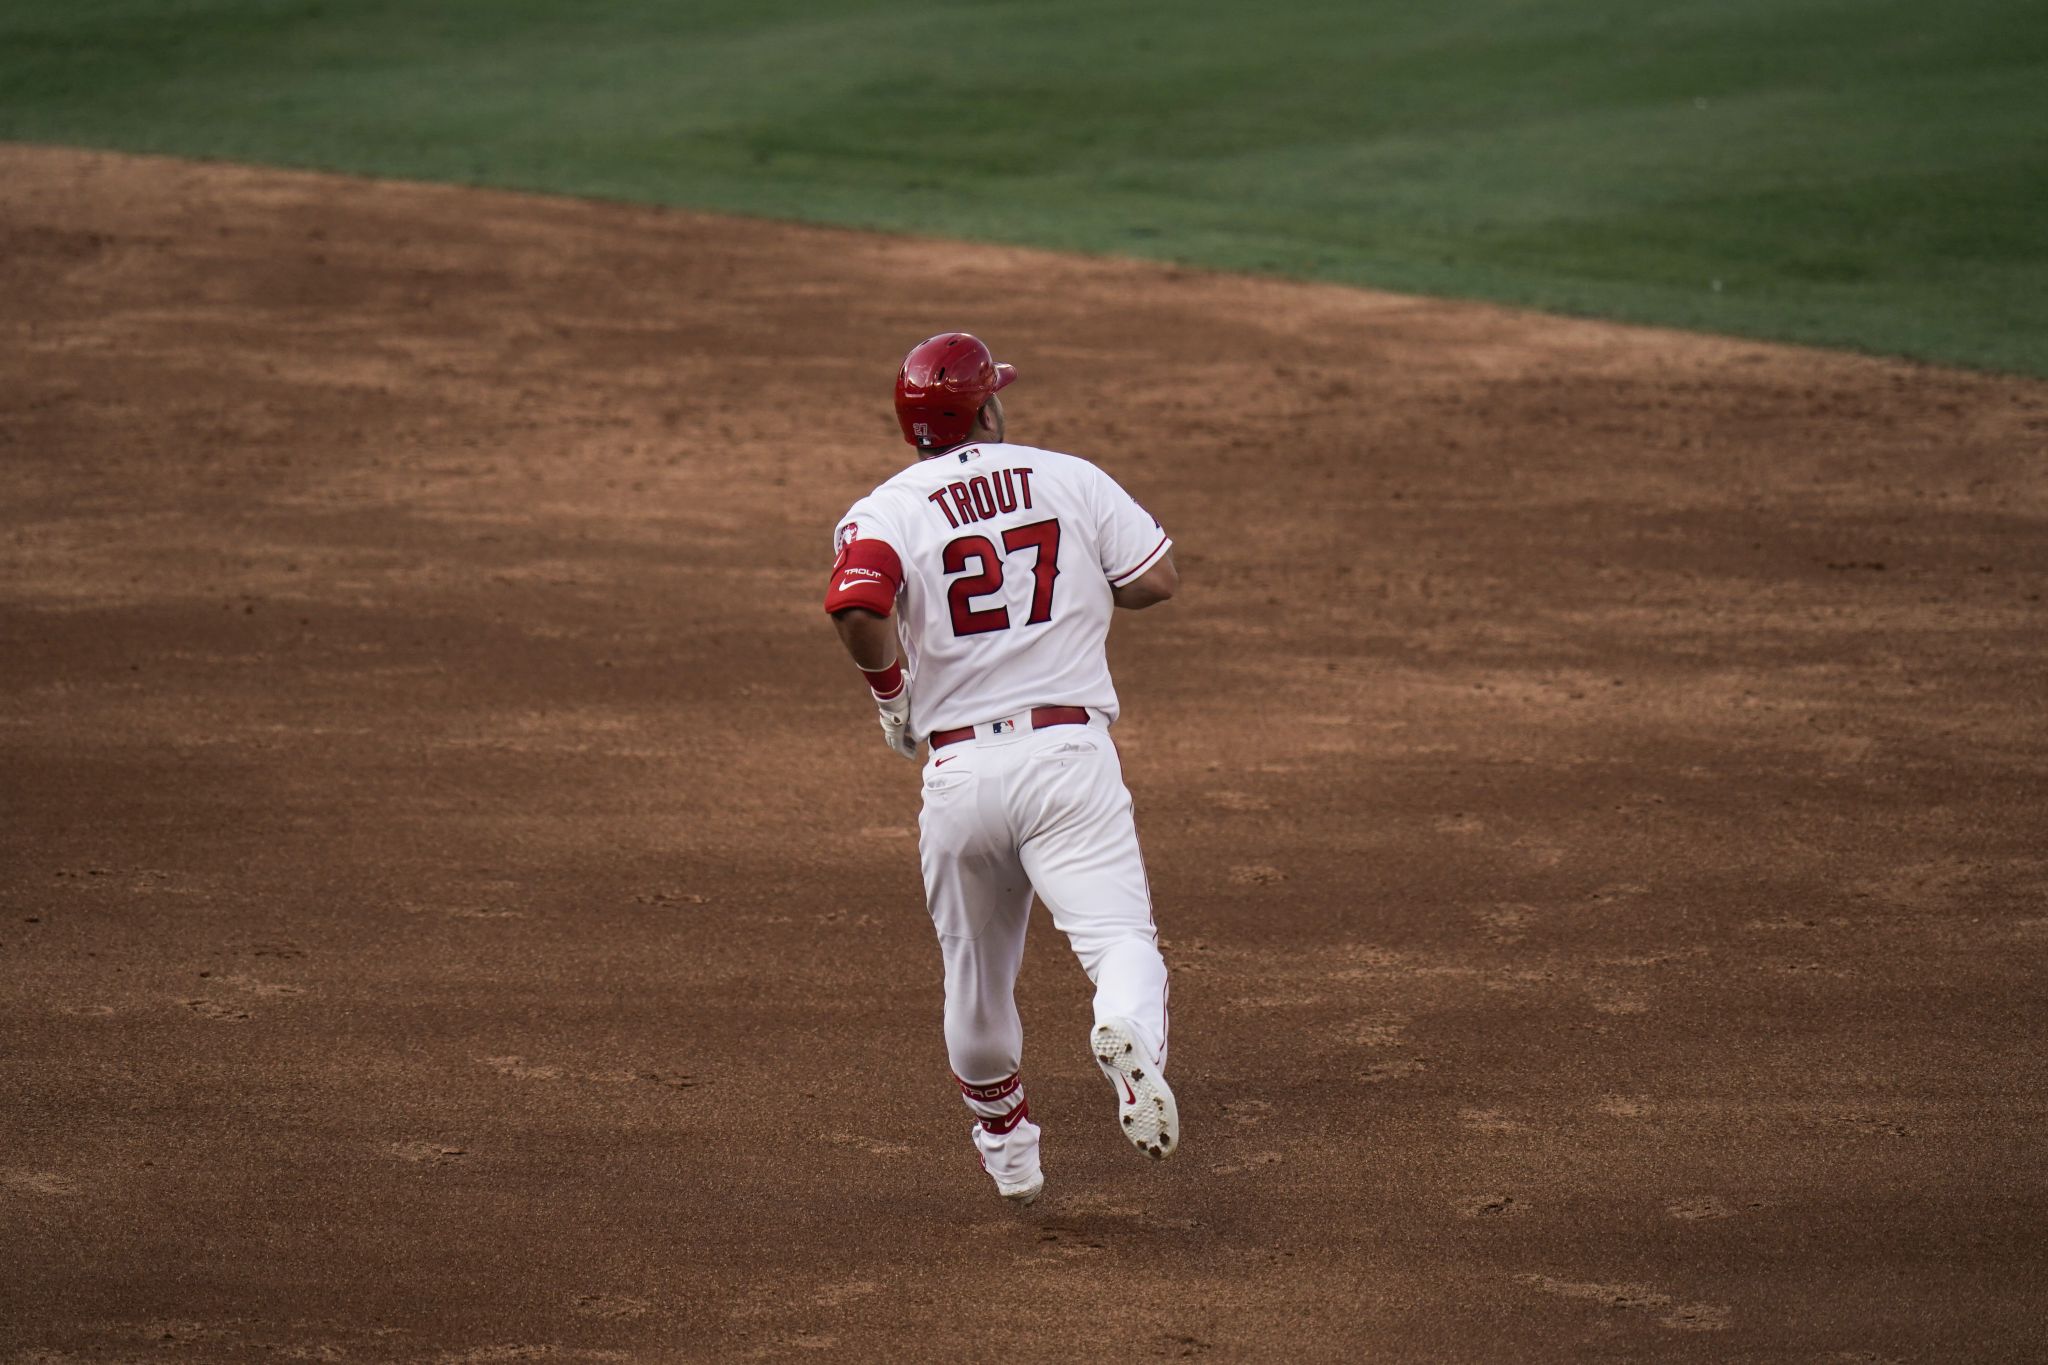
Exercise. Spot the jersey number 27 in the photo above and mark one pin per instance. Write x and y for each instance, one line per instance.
(1040, 537)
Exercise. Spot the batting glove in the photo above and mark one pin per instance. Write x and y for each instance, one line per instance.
(895, 715)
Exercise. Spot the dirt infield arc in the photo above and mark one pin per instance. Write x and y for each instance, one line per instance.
(456, 906)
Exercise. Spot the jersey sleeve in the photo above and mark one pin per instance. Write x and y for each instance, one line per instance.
(1132, 539)
(866, 569)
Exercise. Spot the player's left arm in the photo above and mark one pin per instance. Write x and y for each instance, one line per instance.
(870, 640)
(867, 574)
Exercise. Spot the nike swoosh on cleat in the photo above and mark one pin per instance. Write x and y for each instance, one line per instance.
(1127, 1088)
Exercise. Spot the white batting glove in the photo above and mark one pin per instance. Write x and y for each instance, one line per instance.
(895, 715)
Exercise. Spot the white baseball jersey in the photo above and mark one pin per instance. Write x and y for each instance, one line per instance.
(999, 559)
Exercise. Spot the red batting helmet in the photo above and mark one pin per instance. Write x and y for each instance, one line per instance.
(943, 383)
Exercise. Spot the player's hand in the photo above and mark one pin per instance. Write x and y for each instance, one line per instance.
(895, 714)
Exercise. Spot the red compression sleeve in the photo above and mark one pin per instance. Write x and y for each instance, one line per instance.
(866, 574)
(884, 682)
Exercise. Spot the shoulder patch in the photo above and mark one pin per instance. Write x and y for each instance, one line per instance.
(847, 534)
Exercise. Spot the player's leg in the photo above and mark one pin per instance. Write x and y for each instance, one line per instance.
(1079, 846)
(980, 902)
(984, 1046)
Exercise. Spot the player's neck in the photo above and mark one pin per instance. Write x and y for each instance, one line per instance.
(935, 454)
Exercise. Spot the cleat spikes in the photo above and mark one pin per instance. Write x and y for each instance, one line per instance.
(1145, 1106)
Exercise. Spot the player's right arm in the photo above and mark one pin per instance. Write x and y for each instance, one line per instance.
(1137, 554)
(1149, 588)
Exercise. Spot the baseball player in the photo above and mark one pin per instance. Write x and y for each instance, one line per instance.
(973, 590)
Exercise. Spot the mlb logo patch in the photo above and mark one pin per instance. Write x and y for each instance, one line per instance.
(1002, 727)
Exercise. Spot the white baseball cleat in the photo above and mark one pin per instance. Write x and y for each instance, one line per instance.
(1011, 1160)
(1144, 1103)
(1025, 1194)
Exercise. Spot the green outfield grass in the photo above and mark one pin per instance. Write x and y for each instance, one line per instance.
(1870, 174)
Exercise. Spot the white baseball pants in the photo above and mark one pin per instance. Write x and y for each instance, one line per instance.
(1006, 814)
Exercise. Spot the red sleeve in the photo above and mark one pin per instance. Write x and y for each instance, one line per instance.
(866, 574)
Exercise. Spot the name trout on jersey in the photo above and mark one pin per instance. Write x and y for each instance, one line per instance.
(868, 573)
(984, 496)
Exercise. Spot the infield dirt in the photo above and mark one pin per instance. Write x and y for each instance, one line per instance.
(457, 905)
